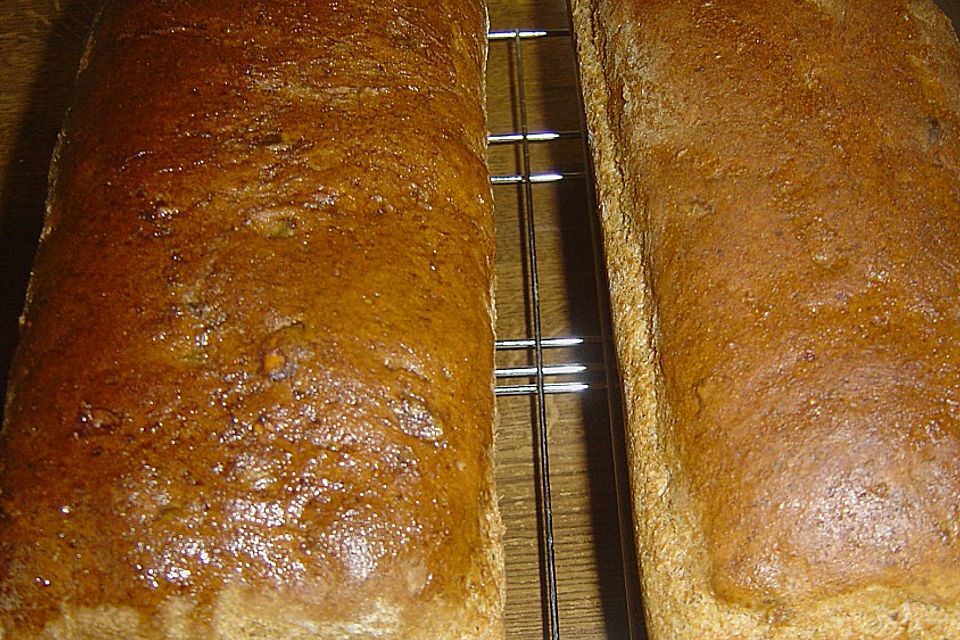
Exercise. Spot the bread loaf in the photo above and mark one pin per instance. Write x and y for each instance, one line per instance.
(781, 213)
(253, 396)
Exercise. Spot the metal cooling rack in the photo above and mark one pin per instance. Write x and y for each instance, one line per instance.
(537, 379)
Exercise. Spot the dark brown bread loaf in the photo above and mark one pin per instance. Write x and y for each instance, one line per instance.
(253, 396)
(780, 185)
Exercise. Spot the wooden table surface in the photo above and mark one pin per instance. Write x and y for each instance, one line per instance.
(589, 568)
(40, 46)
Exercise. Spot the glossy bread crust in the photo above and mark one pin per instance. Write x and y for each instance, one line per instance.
(781, 215)
(254, 392)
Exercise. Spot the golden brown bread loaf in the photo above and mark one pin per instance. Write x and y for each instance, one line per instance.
(780, 191)
(253, 396)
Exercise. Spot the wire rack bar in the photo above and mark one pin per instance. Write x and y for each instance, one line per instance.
(548, 388)
(548, 370)
(537, 373)
(527, 34)
(533, 136)
(536, 178)
(545, 343)
(552, 608)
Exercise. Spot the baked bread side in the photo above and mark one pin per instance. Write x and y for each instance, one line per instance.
(780, 212)
(254, 392)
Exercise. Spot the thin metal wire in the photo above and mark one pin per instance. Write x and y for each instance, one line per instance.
(552, 608)
(540, 388)
(522, 34)
(538, 136)
(547, 388)
(536, 178)
(549, 370)
(546, 343)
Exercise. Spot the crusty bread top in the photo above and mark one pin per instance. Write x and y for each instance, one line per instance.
(799, 182)
(258, 348)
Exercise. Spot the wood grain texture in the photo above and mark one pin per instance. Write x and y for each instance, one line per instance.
(590, 579)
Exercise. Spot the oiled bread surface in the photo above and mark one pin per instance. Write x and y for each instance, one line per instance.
(253, 395)
(781, 213)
